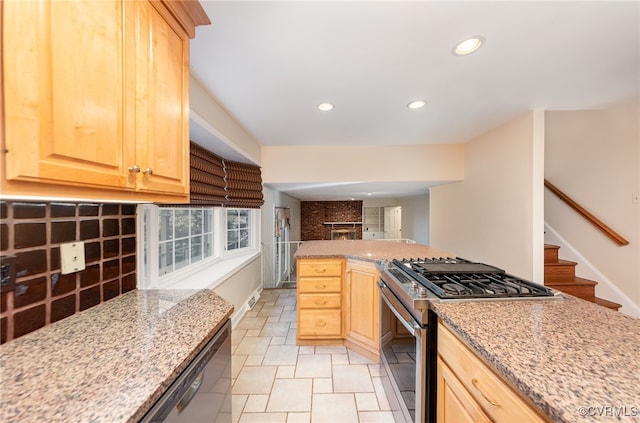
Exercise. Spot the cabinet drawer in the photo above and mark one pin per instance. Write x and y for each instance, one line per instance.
(329, 284)
(320, 268)
(496, 398)
(320, 301)
(319, 323)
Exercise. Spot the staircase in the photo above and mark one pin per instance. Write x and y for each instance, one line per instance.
(561, 275)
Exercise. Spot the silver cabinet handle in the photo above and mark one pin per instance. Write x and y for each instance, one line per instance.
(134, 169)
(149, 171)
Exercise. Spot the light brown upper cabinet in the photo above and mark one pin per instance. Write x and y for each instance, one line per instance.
(95, 97)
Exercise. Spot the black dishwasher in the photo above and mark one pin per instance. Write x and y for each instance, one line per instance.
(202, 392)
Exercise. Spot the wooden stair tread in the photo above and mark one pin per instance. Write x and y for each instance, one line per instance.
(551, 247)
(575, 281)
(607, 303)
(562, 263)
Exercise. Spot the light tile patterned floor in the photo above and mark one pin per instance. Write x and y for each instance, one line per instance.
(274, 380)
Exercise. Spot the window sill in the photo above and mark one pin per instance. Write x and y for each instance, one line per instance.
(213, 275)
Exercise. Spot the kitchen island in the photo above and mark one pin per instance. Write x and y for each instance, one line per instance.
(572, 360)
(110, 363)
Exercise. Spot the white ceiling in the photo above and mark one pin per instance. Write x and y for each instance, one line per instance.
(269, 64)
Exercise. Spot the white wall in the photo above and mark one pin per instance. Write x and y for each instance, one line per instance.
(415, 218)
(490, 216)
(594, 157)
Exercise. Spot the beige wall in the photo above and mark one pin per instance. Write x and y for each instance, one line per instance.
(594, 157)
(494, 214)
(206, 111)
(289, 164)
(240, 286)
(415, 218)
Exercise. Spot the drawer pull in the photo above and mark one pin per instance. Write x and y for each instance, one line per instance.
(323, 270)
(475, 385)
(321, 286)
(323, 302)
(321, 323)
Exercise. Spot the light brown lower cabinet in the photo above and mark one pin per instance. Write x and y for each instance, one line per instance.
(470, 391)
(339, 304)
(362, 317)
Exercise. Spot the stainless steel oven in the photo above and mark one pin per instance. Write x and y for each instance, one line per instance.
(408, 289)
(409, 357)
(202, 392)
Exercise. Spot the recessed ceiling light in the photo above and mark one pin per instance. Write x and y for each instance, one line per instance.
(468, 46)
(368, 193)
(416, 104)
(325, 107)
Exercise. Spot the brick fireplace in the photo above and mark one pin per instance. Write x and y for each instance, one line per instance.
(317, 217)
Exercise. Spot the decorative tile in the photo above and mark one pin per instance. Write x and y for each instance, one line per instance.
(110, 227)
(63, 232)
(110, 209)
(29, 210)
(89, 229)
(88, 209)
(90, 276)
(4, 237)
(63, 210)
(110, 290)
(30, 235)
(128, 209)
(29, 292)
(128, 264)
(61, 284)
(110, 269)
(110, 248)
(91, 251)
(28, 320)
(63, 307)
(128, 226)
(89, 297)
(31, 262)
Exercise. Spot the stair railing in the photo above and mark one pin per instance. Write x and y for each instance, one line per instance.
(613, 235)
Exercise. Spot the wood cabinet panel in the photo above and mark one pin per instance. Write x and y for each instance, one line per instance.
(320, 323)
(65, 84)
(454, 402)
(320, 300)
(93, 91)
(312, 267)
(498, 400)
(321, 284)
(363, 307)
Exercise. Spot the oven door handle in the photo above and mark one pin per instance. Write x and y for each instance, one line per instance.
(399, 310)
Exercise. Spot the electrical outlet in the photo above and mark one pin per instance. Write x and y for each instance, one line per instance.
(72, 257)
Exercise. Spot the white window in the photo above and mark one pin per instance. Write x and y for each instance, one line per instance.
(177, 243)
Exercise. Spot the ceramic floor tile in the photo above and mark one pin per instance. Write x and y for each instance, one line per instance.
(333, 408)
(253, 332)
(285, 300)
(254, 360)
(378, 386)
(288, 316)
(252, 345)
(339, 358)
(367, 402)
(377, 370)
(273, 311)
(330, 350)
(256, 404)
(352, 378)
(298, 417)
(313, 366)
(291, 336)
(322, 386)
(285, 372)
(237, 405)
(255, 380)
(290, 395)
(263, 418)
(273, 319)
(307, 349)
(376, 417)
(237, 335)
(355, 358)
(237, 361)
(278, 340)
(281, 355)
(275, 329)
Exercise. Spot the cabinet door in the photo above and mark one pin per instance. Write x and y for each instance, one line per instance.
(363, 305)
(455, 404)
(67, 116)
(162, 101)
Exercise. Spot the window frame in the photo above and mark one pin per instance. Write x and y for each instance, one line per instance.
(148, 224)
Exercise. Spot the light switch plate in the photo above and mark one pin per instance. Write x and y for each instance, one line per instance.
(72, 257)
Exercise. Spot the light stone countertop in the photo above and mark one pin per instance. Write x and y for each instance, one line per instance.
(109, 363)
(561, 354)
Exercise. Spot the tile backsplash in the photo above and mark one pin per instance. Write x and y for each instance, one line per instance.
(32, 233)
